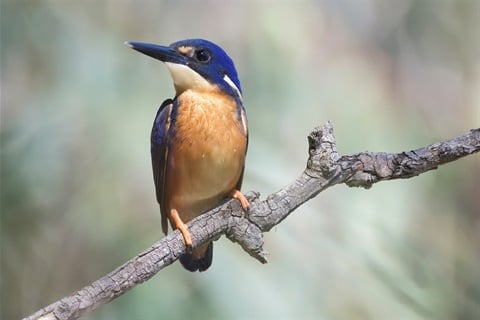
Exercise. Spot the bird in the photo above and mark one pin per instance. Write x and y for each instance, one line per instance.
(199, 138)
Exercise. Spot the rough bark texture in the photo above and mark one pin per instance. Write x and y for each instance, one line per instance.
(325, 168)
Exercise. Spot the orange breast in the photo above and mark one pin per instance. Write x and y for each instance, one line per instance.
(207, 152)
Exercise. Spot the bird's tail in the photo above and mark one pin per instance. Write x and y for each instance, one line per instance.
(200, 259)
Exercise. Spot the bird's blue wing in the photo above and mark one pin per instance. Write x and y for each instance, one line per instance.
(159, 152)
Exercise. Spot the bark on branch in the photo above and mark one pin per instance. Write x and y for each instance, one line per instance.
(325, 168)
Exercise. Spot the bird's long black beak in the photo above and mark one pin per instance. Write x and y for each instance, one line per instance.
(162, 53)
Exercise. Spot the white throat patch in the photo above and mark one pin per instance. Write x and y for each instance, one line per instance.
(185, 78)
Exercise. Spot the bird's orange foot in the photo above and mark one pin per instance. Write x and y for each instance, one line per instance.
(236, 194)
(183, 229)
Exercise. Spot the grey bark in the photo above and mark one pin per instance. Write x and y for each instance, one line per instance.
(325, 168)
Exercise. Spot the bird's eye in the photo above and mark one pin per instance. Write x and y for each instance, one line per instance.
(202, 56)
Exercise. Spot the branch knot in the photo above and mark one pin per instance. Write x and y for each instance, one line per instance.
(323, 155)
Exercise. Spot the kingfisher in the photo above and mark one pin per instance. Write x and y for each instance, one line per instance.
(199, 138)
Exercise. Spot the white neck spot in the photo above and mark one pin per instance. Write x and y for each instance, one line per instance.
(232, 85)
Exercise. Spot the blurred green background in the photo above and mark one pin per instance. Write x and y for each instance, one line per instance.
(77, 197)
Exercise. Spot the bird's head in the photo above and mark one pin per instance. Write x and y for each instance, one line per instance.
(195, 64)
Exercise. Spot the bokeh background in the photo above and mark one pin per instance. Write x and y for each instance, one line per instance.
(77, 196)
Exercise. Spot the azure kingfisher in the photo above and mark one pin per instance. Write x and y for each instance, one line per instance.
(199, 138)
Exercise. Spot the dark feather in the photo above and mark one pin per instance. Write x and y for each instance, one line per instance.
(159, 153)
(190, 263)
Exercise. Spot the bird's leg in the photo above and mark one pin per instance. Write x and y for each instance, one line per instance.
(236, 194)
(182, 227)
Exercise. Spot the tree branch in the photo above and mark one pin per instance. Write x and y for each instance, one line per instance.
(325, 168)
